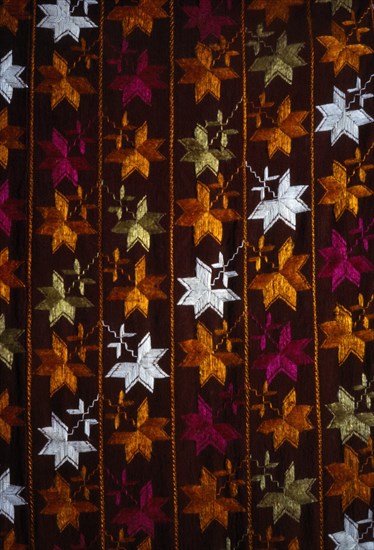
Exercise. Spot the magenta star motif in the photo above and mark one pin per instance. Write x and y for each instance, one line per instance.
(202, 18)
(202, 430)
(339, 266)
(143, 517)
(10, 209)
(140, 84)
(287, 358)
(59, 162)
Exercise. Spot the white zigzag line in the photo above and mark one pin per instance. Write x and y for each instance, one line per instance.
(227, 263)
(260, 180)
(366, 531)
(359, 93)
(119, 338)
(84, 414)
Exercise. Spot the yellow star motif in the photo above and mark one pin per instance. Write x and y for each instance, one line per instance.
(340, 334)
(337, 193)
(285, 283)
(140, 16)
(211, 363)
(146, 288)
(206, 503)
(139, 157)
(147, 431)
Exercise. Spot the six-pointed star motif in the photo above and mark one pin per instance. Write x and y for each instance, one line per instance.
(59, 446)
(339, 120)
(200, 293)
(144, 370)
(59, 18)
(283, 207)
(9, 76)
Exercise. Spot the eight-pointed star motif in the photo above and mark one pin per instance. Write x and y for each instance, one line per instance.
(284, 207)
(281, 63)
(9, 76)
(60, 447)
(296, 493)
(57, 303)
(339, 120)
(59, 18)
(347, 420)
(141, 227)
(200, 293)
(144, 370)
(9, 496)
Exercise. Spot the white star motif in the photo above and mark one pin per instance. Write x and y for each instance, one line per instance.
(200, 294)
(350, 538)
(339, 120)
(9, 496)
(144, 370)
(63, 23)
(9, 76)
(59, 446)
(283, 207)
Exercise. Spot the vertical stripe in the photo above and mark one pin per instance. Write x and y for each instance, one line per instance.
(172, 278)
(30, 200)
(100, 273)
(245, 288)
(314, 285)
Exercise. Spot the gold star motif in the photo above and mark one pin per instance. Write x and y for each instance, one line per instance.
(140, 16)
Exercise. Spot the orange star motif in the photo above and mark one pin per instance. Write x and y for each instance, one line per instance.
(293, 422)
(340, 334)
(62, 230)
(11, 11)
(139, 157)
(337, 193)
(9, 138)
(211, 363)
(140, 16)
(289, 127)
(55, 363)
(60, 504)
(349, 483)
(200, 71)
(8, 416)
(61, 85)
(207, 504)
(147, 431)
(339, 52)
(287, 281)
(205, 221)
(275, 9)
(7, 278)
(146, 288)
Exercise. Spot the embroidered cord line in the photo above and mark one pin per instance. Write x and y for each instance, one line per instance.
(29, 325)
(314, 283)
(100, 369)
(228, 333)
(225, 186)
(84, 414)
(123, 343)
(357, 168)
(358, 23)
(359, 93)
(80, 275)
(217, 278)
(84, 484)
(82, 55)
(172, 273)
(247, 381)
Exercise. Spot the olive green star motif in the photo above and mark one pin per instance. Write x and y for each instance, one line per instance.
(347, 420)
(336, 4)
(201, 155)
(140, 229)
(58, 304)
(295, 494)
(9, 344)
(281, 63)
